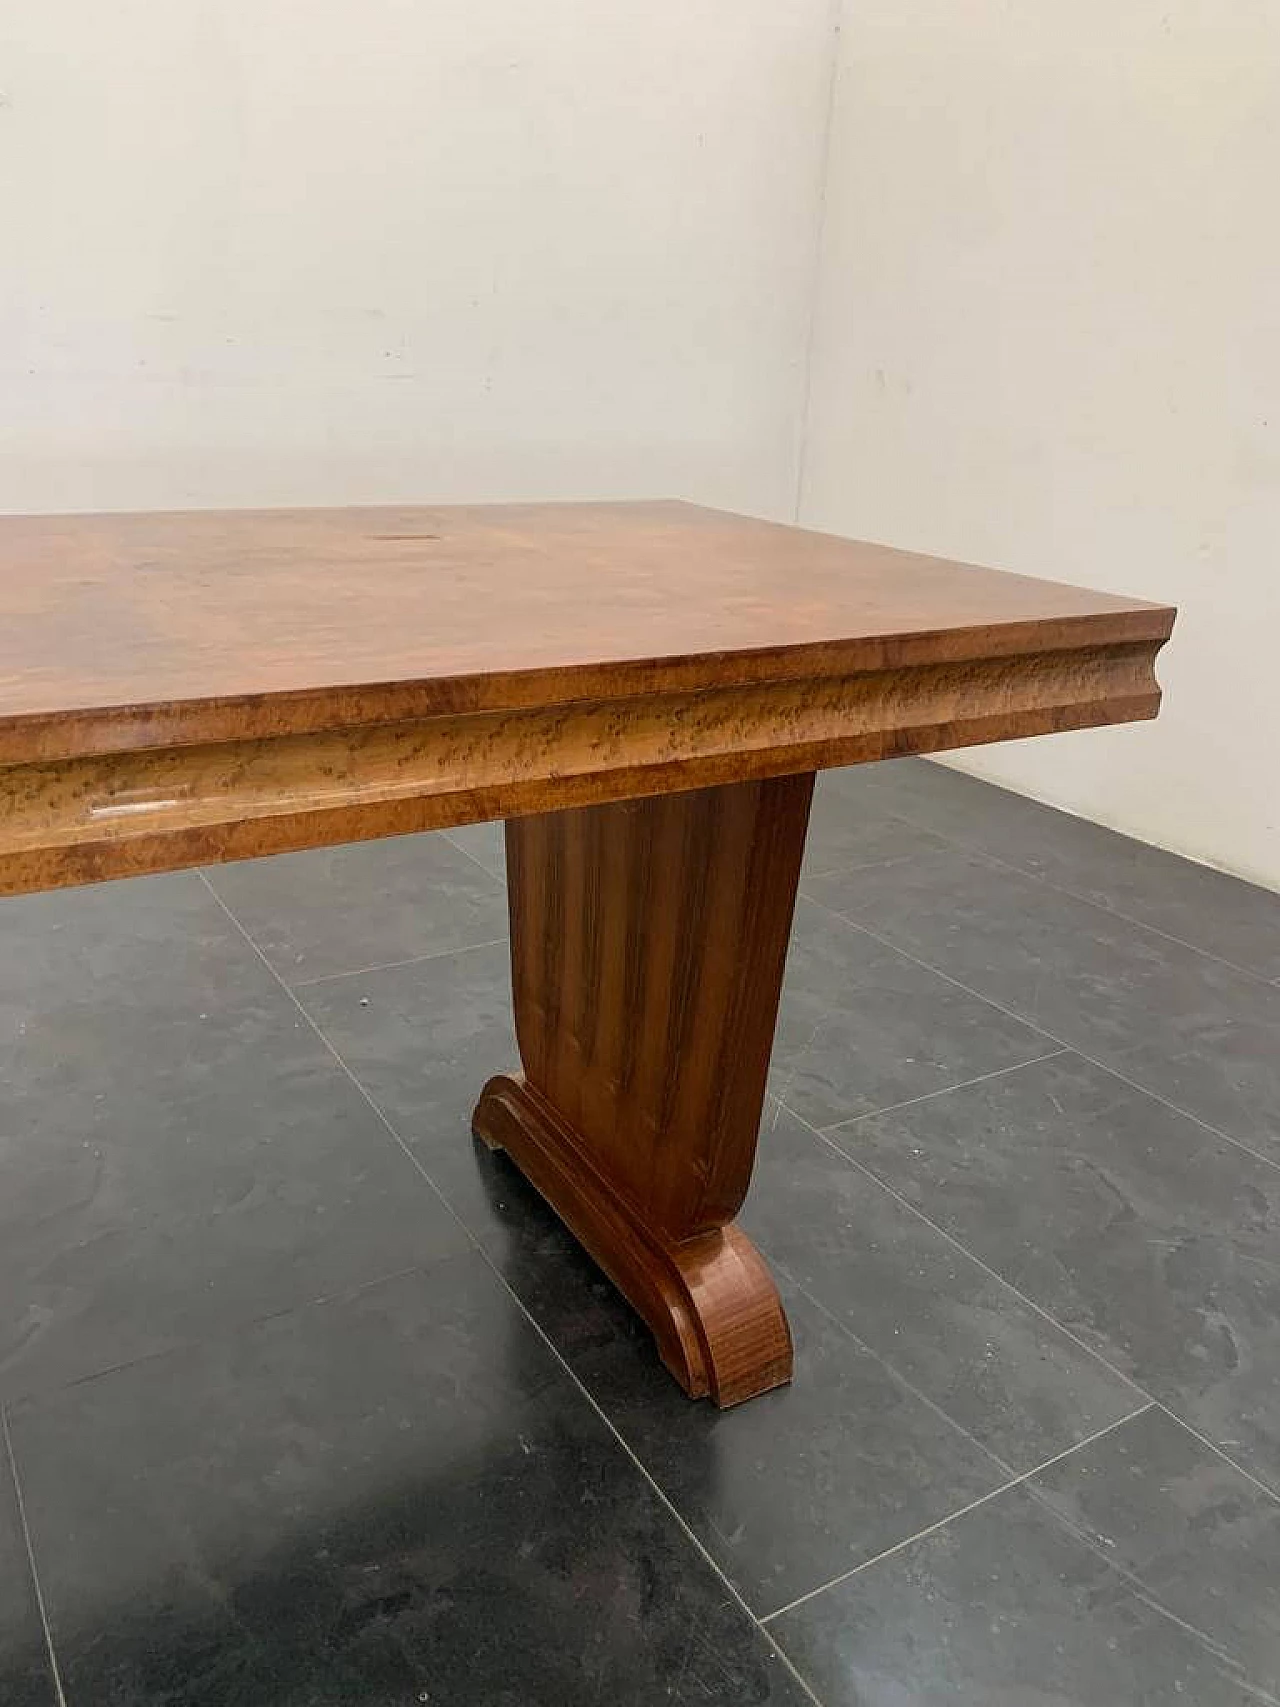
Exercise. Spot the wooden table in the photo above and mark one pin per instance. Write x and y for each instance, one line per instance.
(643, 691)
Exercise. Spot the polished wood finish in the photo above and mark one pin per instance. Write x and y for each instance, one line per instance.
(648, 940)
(190, 688)
(642, 690)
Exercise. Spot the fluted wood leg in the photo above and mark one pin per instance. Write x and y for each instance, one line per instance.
(648, 940)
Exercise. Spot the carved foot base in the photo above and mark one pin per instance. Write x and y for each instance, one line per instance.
(709, 1301)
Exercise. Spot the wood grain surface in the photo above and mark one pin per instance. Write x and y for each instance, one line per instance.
(648, 941)
(642, 690)
(185, 688)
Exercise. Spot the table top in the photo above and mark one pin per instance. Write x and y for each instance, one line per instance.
(215, 624)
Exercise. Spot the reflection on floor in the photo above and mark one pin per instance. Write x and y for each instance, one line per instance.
(309, 1401)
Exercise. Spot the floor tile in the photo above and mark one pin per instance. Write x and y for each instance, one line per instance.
(861, 1027)
(486, 843)
(1025, 1390)
(423, 1040)
(462, 1004)
(959, 808)
(870, 788)
(847, 1482)
(783, 1492)
(1188, 1028)
(134, 944)
(1002, 1608)
(400, 1494)
(170, 1168)
(1210, 909)
(993, 1364)
(25, 1678)
(801, 1483)
(335, 910)
(1199, 1538)
(1144, 1234)
(841, 839)
(394, 1498)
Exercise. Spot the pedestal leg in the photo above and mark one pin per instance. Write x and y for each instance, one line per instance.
(648, 940)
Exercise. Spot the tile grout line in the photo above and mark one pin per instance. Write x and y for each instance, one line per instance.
(242, 1324)
(1081, 1533)
(1255, 1691)
(1114, 912)
(928, 1096)
(1064, 1047)
(468, 853)
(502, 1280)
(576, 1381)
(1150, 1401)
(392, 965)
(932, 1528)
(975, 848)
(656, 1488)
(964, 1250)
(333, 1051)
(1031, 1304)
(893, 1372)
(862, 864)
(54, 1672)
(1210, 1445)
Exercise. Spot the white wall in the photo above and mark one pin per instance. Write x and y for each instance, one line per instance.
(1048, 338)
(272, 251)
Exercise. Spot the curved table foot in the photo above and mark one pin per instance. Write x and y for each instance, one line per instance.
(709, 1301)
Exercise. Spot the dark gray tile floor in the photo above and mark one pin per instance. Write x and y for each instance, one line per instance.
(308, 1399)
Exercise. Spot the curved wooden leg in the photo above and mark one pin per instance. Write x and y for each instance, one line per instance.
(648, 945)
(710, 1302)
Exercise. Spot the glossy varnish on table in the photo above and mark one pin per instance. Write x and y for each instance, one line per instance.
(643, 690)
(212, 685)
